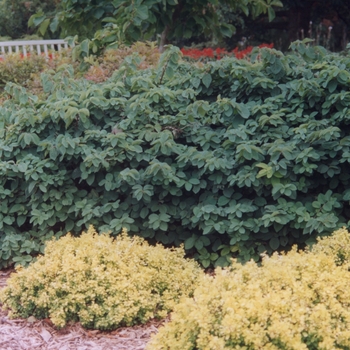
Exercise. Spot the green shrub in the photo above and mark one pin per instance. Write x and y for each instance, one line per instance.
(101, 282)
(295, 301)
(232, 157)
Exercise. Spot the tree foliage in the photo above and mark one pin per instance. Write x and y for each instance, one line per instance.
(14, 15)
(299, 19)
(143, 19)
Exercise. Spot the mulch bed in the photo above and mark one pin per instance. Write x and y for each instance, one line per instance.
(29, 334)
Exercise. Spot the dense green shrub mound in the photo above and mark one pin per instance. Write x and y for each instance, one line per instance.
(230, 157)
(101, 282)
(295, 301)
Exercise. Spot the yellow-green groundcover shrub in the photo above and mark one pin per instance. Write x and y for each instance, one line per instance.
(298, 300)
(18, 69)
(101, 282)
(336, 245)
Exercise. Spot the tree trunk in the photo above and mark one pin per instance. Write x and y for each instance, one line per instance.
(299, 22)
(176, 15)
(163, 39)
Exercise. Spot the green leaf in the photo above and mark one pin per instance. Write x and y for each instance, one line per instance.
(206, 80)
(209, 208)
(194, 181)
(223, 200)
(199, 244)
(274, 243)
(227, 30)
(195, 82)
(31, 186)
(225, 251)
(332, 85)
(142, 12)
(190, 242)
(37, 19)
(84, 47)
(244, 111)
(271, 13)
(221, 261)
(188, 186)
(205, 263)
(153, 218)
(164, 227)
(27, 138)
(144, 212)
(99, 13)
(169, 72)
(43, 26)
(207, 230)
(316, 205)
(277, 66)
(54, 24)
(7, 220)
(265, 171)
(21, 220)
(110, 20)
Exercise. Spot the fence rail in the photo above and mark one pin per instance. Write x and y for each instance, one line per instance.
(37, 46)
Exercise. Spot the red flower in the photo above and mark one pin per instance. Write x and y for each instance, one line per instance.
(208, 53)
(219, 52)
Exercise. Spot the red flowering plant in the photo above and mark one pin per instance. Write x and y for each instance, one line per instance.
(210, 54)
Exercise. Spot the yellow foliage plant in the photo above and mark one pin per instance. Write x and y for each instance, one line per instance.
(111, 60)
(293, 301)
(18, 69)
(101, 282)
(337, 245)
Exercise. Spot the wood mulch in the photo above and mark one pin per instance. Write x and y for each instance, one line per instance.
(29, 334)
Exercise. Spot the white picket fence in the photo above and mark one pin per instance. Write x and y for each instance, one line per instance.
(35, 46)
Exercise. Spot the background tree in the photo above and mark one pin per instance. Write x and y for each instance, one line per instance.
(139, 19)
(14, 15)
(329, 13)
(300, 19)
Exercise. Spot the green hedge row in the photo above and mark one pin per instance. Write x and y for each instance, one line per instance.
(231, 157)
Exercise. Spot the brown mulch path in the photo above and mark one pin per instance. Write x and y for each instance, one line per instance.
(30, 334)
